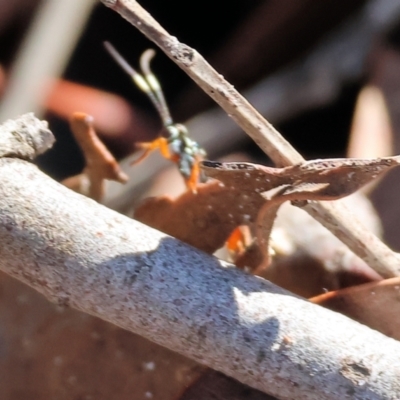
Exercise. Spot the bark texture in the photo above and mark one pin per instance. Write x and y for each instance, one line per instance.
(81, 254)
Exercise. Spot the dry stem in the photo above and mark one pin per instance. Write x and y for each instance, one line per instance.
(100, 163)
(82, 254)
(333, 216)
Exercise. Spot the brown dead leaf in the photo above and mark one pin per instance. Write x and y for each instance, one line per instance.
(328, 179)
(250, 258)
(376, 305)
(100, 163)
(203, 220)
(300, 266)
(206, 219)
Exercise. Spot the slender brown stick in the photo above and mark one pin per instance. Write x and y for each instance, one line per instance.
(79, 253)
(100, 163)
(334, 216)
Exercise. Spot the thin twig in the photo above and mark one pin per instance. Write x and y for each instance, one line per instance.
(334, 216)
(79, 253)
(100, 163)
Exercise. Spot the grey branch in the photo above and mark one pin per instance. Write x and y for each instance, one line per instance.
(25, 137)
(335, 216)
(79, 253)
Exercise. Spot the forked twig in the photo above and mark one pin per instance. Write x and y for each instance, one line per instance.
(334, 216)
(100, 163)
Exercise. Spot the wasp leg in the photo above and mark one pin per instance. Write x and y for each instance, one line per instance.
(142, 157)
(236, 242)
(160, 143)
(193, 180)
(164, 148)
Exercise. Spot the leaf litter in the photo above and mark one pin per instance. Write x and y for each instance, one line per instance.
(251, 194)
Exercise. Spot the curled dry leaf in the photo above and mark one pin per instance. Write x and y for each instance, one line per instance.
(374, 304)
(328, 179)
(206, 219)
(100, 163)
(331, 178)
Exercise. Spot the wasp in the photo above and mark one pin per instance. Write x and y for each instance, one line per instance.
(176, 145)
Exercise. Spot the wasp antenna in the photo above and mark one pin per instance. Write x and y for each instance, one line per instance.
(155, 86)
(119, 59)
(137, 78)
(145, 60)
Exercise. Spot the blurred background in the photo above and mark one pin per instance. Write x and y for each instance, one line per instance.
(301, 63)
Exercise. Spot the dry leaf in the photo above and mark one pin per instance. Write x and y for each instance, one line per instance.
(100, 163)
(376, 305)
(204, 220)
(207, 219)
(327, 179)
(299, 266)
